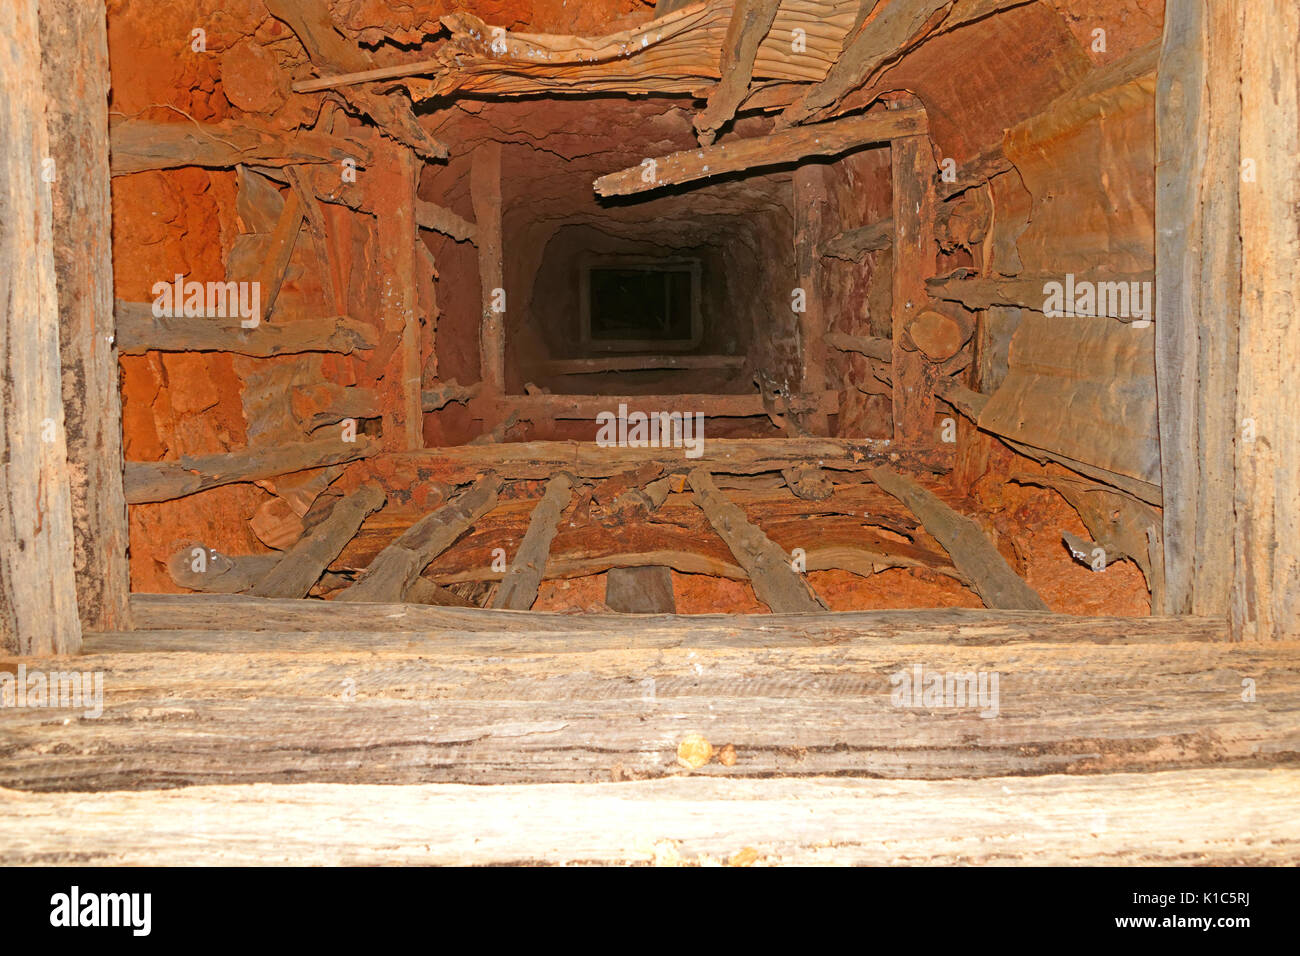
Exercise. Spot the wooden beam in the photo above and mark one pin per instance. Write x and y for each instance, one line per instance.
(750, 22)
(892, 29)
(229, 574)
(640, 590)
(519, 589)
(972, 552)
(280, 246)
(74, 60)
(852, 244)
(328, 49)
(587, 407)
(869, 345)
(459, 464)
(485, 191)
(441, 219)
(639, 363)
(140, 331)
(139, 145)
(394, 200)
(810, 203)
(392, 574)
(165, 480)
(686, 821)
(790, 146)
(304, 563)
(775, 582)
(205, 621)
(1030, 291)
(38, 589)
(913, 174)
(1265, 602)
(328, 403)
(432, 399)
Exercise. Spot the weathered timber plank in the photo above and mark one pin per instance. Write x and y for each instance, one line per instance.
(38, 591)
(823, 139)
(165, 480)
(139, 145)
(898, 25)
(1116, 819)
(1265, 599)
(972, 552)
(638, 363)
(852, 244)
(74, 62)
(391, 575)
(532, 712)
(140, 331)
(869, 345)
(304, 563)
(643, 589)
(811, 199)
(458, 464)
(157, 613)
(485, 193)
(769, 567)
(518, 590)
(587, 407)
(441, 219)
(750, 22)
(913, 172)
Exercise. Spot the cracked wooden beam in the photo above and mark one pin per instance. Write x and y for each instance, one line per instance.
(304, 563)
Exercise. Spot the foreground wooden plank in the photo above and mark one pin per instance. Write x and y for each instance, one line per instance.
(1183, 818)
(519, 709)
(74, 58)
(140, 331)
(210, 612)
(165, 480)
(824, 139)
(972, 552)
(38, 593)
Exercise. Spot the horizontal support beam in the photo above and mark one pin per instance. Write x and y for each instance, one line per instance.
(441, 219)
(789, 146)
(139, 145)
(440, 629)
(587, 407)
(872, 346)
(458, 464)
(165, 480)
(140, 331)
(640, 363)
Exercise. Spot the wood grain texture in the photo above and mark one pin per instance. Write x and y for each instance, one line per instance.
(38, 593)
(1173, 819)
(485, 193)
(913, 172)
(139, 145)
(568, 708)
(750, 22)
(74, 61)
